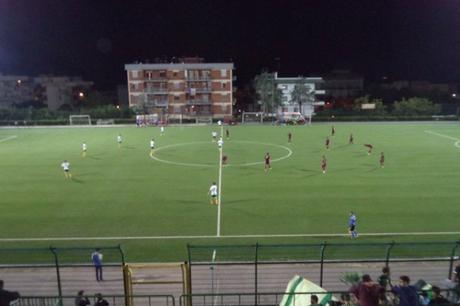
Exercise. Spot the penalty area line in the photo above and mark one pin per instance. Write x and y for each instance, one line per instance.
(8, 138)
(225, 236)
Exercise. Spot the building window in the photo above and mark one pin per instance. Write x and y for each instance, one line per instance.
(176, 97)
(223, 73)
(176, 85)
(162, 74)
(135, 73)
(224, 85)
(174, 73)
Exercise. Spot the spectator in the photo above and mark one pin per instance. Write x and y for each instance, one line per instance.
(96, 258)
(457, 274)
(407, 294)
(438, 299)
(345, 300)
(383, 299)
(6, 297)
(100, 301)
(367, 291)
(314, 300)
(424, 298)
(384, 279)
(81, 300)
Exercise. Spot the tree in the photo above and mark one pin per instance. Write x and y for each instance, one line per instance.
(269, 97)
(416, 106)
(302, 93)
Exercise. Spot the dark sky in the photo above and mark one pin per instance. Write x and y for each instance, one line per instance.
(416, 39)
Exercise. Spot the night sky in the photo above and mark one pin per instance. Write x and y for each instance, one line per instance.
(401, 39)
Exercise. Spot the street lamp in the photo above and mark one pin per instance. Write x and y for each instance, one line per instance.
(81, 94)
(454, 95)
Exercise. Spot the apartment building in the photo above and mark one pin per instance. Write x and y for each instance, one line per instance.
(182, 89)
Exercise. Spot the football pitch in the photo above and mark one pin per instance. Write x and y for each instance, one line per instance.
(155, 204)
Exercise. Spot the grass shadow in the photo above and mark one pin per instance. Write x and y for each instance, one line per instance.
(76, 180)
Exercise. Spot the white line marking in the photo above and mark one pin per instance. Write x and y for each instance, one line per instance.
(225, 236)
(8, 138)
(219, 201)
(229, 165)
(442, 135)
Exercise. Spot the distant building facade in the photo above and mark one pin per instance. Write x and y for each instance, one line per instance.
(182, 89)
(60, 90)
(342, 84)
(54, 91)
(15, 89)
(287, 84)
(422, 87)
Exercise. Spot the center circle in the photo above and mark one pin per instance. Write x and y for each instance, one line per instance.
(153, 156)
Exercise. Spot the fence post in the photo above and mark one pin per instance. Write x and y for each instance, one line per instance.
(189, 276)
(452, 258)
(256, 260)
(122, 255)
(387, 253)
(323, 248)
(56, 262)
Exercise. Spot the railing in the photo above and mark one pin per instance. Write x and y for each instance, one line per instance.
(199, 102)
(196, 79)
(292, 298)
(114, 300)
(155, 90)
(157, 103)
(254, 263)
(156, 79)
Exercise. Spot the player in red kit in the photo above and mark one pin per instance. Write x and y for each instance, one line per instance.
(267, 162)
(333, 131)
(369, 148)
(382, 160)
(227, 133)
(324, 164)
(350, 140)
(289, 137)
(224, 159)
(328, 141)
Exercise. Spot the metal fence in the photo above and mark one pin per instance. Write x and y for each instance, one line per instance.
(113, 300)
(268, 268)
(56, 265)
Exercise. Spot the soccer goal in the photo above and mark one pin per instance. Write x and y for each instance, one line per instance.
(105, 121)
(252, 117)
(80, 120)
(203, 120)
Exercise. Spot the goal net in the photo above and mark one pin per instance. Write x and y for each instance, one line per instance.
(251, 117)
(105, 121)
(80, 120)
(203, 120)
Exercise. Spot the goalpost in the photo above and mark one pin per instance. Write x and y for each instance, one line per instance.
(80, 120)
(251, 117)
(203, 120)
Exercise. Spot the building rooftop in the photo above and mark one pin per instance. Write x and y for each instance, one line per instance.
(179, 66)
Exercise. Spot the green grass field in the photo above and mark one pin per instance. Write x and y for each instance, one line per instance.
(123, 192)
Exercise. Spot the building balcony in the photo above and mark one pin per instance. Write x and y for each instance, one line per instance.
(198, 79)
(198, 102)
(156, 79)
(157, 91)
(201, 90)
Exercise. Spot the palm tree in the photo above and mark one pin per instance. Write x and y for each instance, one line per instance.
(268, 94)
(302, 94)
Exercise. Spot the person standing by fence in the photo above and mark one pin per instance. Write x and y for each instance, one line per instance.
(6, 297)
(96, 258)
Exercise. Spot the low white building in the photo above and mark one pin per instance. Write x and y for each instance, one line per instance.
(287, 85)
